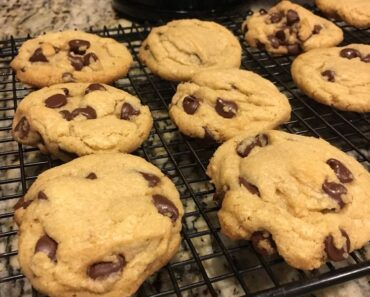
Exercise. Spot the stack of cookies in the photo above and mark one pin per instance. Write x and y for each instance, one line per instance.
(293, 195)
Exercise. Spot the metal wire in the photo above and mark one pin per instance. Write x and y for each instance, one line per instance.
(208, 264)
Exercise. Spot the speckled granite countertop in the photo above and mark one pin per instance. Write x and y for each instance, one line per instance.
(21, 17)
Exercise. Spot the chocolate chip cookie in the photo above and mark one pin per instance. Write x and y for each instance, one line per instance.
(223, 103)
(354, 12)
(292, 194)
(72, 119)
(181, 48)
(71, 56)
(97, 226)
(288, 28)
(337, 76)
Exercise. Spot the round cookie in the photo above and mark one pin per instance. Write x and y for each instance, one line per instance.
(337, 76)
(179, 49)
(288, 28)
(296, 194)
(97, 226)
(71, 56)
(79, 119)
(223, 103)
(354, 12)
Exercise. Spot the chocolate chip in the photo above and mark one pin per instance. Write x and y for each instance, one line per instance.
(220, 195)
(294, 49)
(57, 49)
(276, 17)
(263, 243)
(350, 53)
(146, 47)
(91, 175)
(226, 108)
(274, 41)
(190, 104)
(152, 179)
(104, 269)
(366, 59)
(333, 252)
(66, 115)
(65, 91)
(94, 87)
(48, 246)
(329, 75)
(341, 171)
(261, 46)
(76, 61)
(22, 128)
(78, 46)
(263, 11)
(335, 191)
(22, 203)
(67, 77)
(90, 58)
(316, 29)
(280, 35)
(127, 111)
(38, 56)
(250, 187)
(165, 207)
(87, 112)
(246, 146)
(42, 196)
(292, 17)
(56, 101)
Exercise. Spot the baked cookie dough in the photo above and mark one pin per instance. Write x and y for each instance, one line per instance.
(71, 56)
(97, 226)
(337, 76)
(288, 28)
(296, 194)
(179, 49)
(72, 119)
(223, 103)
(354, 12)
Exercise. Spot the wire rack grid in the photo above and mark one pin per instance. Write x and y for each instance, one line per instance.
(208, 264)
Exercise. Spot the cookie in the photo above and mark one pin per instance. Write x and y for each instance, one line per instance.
(336, 76)
(295, 194)
(181, 48)
(223, 103)
(72, 119)
(288, 28)
(71, 56)
(354, 12)
(97, 226)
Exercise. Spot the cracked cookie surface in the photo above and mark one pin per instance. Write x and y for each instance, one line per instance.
(223, 103)
(295, 194)
(337, 76)
(288, 28)
(97, 226)
(71, 56)
(81, 119)
(354, 12)
(179, 49)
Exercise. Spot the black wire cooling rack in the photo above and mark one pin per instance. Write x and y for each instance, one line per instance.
(208, 264)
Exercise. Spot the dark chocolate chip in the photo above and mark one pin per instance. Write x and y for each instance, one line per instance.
(263, 11)
(316, 29)
(341, 171)
(292, 17)
(335, 191)
(56, 101)
(87, 112)
(226, 108)
(78, 46)
(275, 43)
(42, 196)
(263, 243)
(219, 196)
(350, 53)
(22, 128)
(104, 269)
(90, 58)
(48, 246)
(91, 175)
(250, 187)
(280, 35)
(22, 203)
(366, 59)
(127, 111)
(66, 115)
(67, 77)
(276, 17)
(57, 49)
(246, 146)
(152, 179)
(294, 49)
(165, 207)
(94, 87)
(65, 91)
(261, 46)
(190, 104)
(333, 252)
(23, 69)
(146, 47)
(38, 56)
(76, 61)
(329, 75)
